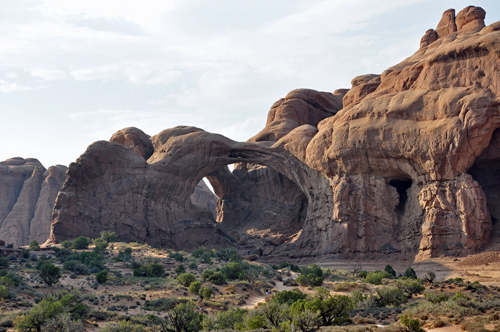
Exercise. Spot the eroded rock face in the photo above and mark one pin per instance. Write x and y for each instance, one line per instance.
(392, 167)
(204, 198)
(136, 139)
(28, 193)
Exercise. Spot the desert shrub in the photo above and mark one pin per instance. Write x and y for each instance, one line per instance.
(206, 258)
(124, 255)
(194, 287)
(331, 310)
(200, 251)
(67, 244)
(4, 263)
(101, 277)
(236, 258)
(375, 278)
(62, 322)
(49, 273)
(80, 242)
(159, 305)
(314, 269)
(34, 245)
(362, 274)
(186, 279)
(25, 253)
(182, 318)
(309, 280)
(109, 237)
(76, 266)
(288, 297)
(123, 326)
(193, 266)
(224, 320)
(153, 270)
(51, 307)
(176, 256)
(217, 278)
(180, 269)
(205, 293)
(411, 287)
(389, 270)
(430, 276)
(225, 254)
(411, 323)
(436, 297)
(11, 278)
(4, 292)
(99, 242)
(410, 273)
(387, 296)
(232, 270)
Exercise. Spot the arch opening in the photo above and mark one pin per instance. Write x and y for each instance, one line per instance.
(402, 186)
(486, 171)
(204, 197)
(257, 202)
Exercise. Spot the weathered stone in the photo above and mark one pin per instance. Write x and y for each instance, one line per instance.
(386, 175)
(28, 193)
(135, 139)
(429, 37)
(447, 24)
(471, 19)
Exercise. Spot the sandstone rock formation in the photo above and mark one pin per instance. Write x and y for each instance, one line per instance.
(397, 166)
(27, 194)
(204, 198)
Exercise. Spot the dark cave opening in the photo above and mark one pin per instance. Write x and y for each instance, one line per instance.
(402, 186)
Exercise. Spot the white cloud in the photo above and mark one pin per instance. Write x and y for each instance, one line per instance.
(7, 87)
(244, 130)
(49, 74)
(11, 75)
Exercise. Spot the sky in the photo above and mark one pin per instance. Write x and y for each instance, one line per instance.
(74, 72)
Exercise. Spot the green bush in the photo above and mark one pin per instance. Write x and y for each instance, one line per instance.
(153, 270)
(194, 287)
(34, 245)
(217, 278)
(49, 308)
(232, 271)
(362, 274)
(109, 237)
(182, 318)
(390, 296)
(4, 263)
(389, 270)
(411, 287)
(206, 258)
(224, 320)
(225, 253)
(436, 297)
(159, 305)
(76, 266)
(80, 242)
(205, 293)
(410, 273)
(288, 297)
(177, 256)
(412, 324)
(4, 292)
(180, 269)
(186, 279)
(123, 326)
(375, 278)
(67, 244)
(101, 277)
(49, 273)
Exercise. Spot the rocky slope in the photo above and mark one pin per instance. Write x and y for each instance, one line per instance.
(397, 165)
(27, 196)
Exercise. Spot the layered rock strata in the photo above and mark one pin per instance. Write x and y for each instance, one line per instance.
(27, 194)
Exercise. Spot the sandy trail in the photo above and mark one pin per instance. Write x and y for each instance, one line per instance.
(253, 301)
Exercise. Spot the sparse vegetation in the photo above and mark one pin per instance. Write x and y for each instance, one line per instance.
(134, 287)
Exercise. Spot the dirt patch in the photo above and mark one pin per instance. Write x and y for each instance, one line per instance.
(481, 259)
